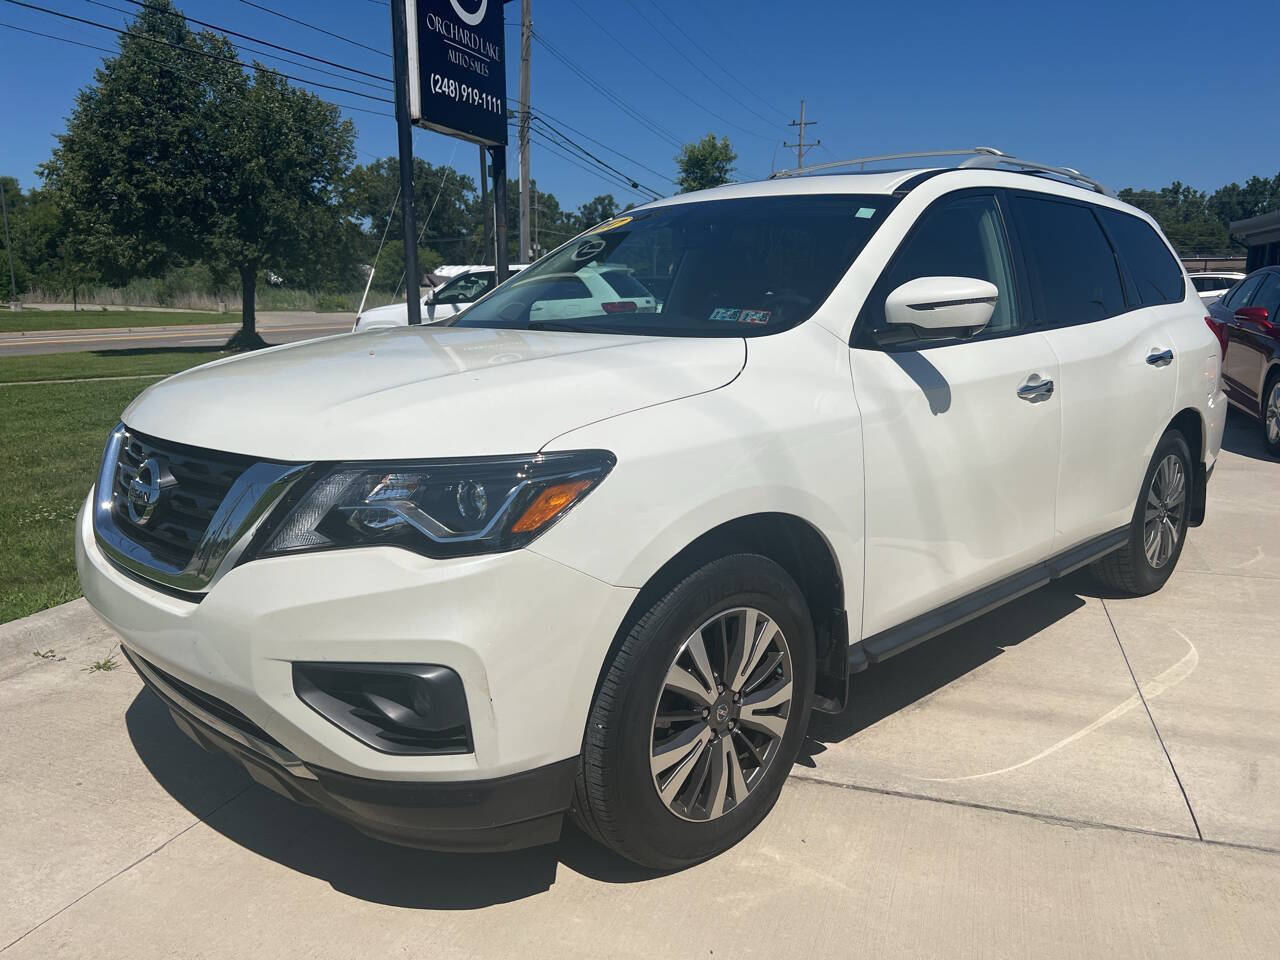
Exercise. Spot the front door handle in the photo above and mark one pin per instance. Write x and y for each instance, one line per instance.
(1160, 358)
(1035, 392)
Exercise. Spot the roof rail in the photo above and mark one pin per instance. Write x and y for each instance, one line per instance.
(979, 158)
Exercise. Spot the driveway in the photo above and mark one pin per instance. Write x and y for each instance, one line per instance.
(1072, 775)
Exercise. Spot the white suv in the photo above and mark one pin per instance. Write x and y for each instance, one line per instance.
(450, 584)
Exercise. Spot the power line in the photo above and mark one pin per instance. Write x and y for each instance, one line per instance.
(693, 63)
(716, 60)
(174, 70)
(560, 152)
(242, 46)
(640, 60)
(574, 145)
(653, 126)
(549, 117)
(203, 53)
(312, 26)
(245, 36)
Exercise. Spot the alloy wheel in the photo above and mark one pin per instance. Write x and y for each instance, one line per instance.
(1166, 502)
(1273, 415)
(721, 714)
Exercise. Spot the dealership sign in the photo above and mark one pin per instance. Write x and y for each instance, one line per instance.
(457, 68)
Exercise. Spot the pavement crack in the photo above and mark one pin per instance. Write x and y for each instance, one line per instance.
(125, 869)
(1154, 726)
(1048, 818)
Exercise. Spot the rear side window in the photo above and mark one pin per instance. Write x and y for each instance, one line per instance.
(1206, 284)
(1154, 270)
(1239, 297)
(1076, 270)
(561, 288)
(1268, 295)
(624, 284)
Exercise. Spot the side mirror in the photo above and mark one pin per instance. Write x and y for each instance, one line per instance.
(1258, 316)
(429, 296)
(943, 306)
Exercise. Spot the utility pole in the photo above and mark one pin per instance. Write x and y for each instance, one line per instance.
(800, 146)
(4, 212)
(526, 31)
(486, 251)
(404, 131)
(499, 155)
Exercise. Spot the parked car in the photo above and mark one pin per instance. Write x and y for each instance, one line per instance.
(1246, 320)
(1211, 286)
(450, 298)
(450, 583)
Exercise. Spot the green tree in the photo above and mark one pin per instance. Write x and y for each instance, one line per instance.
(596, 210)
(173, 154)
(707, 163)
(451, 229)
(279, 159)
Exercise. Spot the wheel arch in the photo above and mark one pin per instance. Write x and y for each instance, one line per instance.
(1190, 423)
(798, 547)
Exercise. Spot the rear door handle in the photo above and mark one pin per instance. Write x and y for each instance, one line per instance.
(1161, 358)
(1035, 392)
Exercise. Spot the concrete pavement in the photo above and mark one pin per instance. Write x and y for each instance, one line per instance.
(1073, 775)
(275, 328)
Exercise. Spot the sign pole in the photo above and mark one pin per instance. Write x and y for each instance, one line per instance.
(499, 155)
(404, 131)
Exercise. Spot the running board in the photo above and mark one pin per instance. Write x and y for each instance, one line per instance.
(886, 643)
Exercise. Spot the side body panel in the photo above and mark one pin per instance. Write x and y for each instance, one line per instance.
(961, 472)
(784, 437)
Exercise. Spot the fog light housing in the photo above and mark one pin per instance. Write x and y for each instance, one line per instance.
(403, 708)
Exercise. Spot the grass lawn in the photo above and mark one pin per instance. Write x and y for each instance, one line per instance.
(11, 322)
(51, 440)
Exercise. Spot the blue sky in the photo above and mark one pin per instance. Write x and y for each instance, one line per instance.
(1134, 93)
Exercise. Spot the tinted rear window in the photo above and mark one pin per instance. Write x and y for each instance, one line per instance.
(1072, 260)
(624, 284)
(1153, 268)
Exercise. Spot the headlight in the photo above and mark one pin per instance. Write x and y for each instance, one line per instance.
(437, 508)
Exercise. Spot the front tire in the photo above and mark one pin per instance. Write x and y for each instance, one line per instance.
(1271, 415)
(699, 716)
(1159, 525)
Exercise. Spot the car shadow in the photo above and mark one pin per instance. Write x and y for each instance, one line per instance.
(903, 680)
(1243, 436)
(217, 790)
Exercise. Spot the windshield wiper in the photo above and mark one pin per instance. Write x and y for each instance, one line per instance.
(565, 326)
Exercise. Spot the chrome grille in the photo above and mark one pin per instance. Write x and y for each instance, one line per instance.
(201, 481)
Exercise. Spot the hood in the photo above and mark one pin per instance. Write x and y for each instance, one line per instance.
(411, 392)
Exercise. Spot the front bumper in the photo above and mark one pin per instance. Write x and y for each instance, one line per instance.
(527, 636)
(505, 813)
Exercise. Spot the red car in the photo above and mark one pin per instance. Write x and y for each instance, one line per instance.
(1247, 321)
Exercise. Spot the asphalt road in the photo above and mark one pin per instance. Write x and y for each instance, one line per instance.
(275, 328)
(1074, 775)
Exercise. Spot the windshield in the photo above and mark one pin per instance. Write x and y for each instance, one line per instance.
(744, 267)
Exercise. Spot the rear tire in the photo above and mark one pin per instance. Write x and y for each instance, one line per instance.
(1159, 525)
(1271, 415)
(667, 802)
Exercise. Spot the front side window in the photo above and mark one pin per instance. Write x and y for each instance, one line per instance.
(1155, 272)
(1072, 261)
(743, 267)
(464, 289)
(960, 237)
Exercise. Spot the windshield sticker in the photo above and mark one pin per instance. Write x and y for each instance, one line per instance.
(725, 315)
(865, 213)
(590, 248)
(755, 316)
(610, 225)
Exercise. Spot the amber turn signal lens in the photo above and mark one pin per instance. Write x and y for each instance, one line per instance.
(549, 504)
